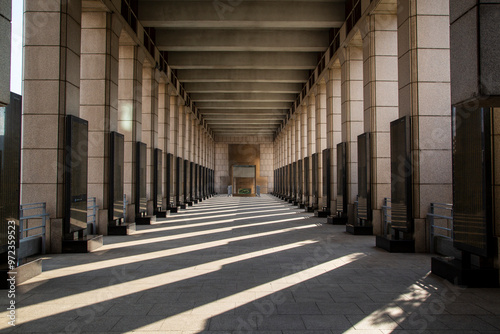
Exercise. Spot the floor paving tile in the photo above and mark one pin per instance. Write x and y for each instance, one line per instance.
(234, 265)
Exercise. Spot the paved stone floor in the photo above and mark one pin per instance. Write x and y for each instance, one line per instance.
(248, 265)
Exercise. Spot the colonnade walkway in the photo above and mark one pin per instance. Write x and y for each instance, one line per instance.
(248, 265)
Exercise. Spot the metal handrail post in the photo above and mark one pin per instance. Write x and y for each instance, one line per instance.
(125, 207)
(431, 222)
(44, 224)
(94, 213)
(21, 215)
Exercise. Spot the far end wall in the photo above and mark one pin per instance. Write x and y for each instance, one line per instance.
(263, 160)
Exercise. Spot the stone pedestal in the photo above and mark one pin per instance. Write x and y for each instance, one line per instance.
(124, 229)
(473, 277)
(359, 230)
(321, 213)
(86, 244)
(336, 220)
(145, 220)
(395, 246)
(160, 214)
(23, 273)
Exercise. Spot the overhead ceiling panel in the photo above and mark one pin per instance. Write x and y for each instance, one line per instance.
(243, 63)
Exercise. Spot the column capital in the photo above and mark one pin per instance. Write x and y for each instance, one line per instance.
(312, 99)
(116, 24)
(321, 88)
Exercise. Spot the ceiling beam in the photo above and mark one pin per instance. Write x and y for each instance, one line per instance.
(244, 105)
(243, 97)
(242, 87)
(242, 14)
(229, 75)
(244, 126)
(242, 40)
(214, 113)
(243, 60)
(249, 118)
(249, 121)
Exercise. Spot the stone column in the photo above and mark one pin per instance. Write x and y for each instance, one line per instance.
(191, 149)
(164, 134)
(278, 159)
(380, 62)
(150, 78)
(283, 160)
(320, 137)
(351, 59)
(424, 95)
(174, 140)
(303, 143)
(130, 115)
(187, 134)
(311, 141)
(288, 160)
(334, 125)
(181, 150)
(292, 158)
(298, 145)
(51, 90)
(187, 150)
(99, 100)
(196, 149)
(182, 130)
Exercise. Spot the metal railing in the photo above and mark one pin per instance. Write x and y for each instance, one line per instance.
(25, 219)
(92, 218)
(442, 213)
(356, 210)
(386, 218)
(125, 204)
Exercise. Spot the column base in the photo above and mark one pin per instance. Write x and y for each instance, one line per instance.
(124, 229)
(337, 220)
(359, 230)
(160, 214)
(173, 210)
(189, 203)
(146, 220)
(395, 246)
(474, 277)
(309, 209)
(83, 245)
(320, 214)
(23, 273)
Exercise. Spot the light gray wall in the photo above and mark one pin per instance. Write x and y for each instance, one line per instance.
(5, 28)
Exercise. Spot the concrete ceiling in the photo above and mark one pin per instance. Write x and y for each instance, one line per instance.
(243, 62)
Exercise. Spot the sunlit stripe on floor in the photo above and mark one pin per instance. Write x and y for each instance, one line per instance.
(161, 254)
(218, 208)
(215, 222)
(239, 299)
(196, 233)
(135, 286)
(187, 216)
(215, 213)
